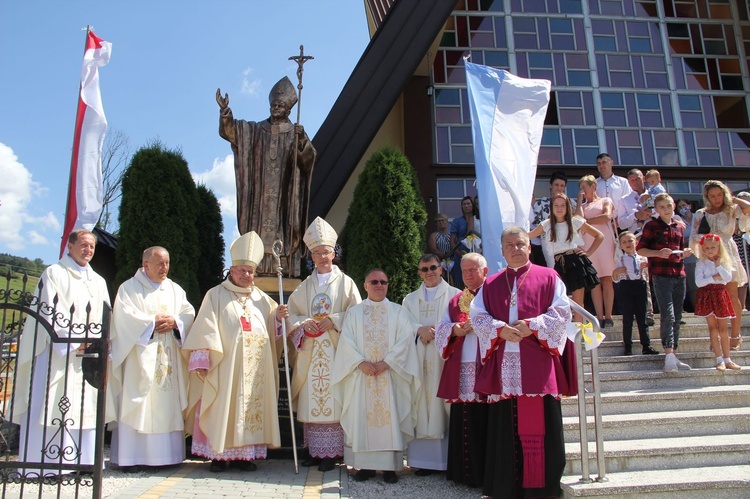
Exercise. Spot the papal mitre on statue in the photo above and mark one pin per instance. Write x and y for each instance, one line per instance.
(284, 91)
(247, 249)
(320, 233)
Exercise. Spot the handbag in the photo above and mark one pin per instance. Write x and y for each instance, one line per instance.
(704, 228)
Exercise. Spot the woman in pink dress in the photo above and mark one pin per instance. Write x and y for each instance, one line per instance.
(598, 213)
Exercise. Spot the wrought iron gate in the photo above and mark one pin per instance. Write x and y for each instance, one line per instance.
(52, 428)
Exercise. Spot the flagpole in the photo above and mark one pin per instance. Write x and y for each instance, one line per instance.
(71, 192)
(278, 249)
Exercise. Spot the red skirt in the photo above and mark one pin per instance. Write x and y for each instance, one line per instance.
(714, 299)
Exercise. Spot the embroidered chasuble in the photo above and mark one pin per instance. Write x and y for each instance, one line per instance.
(235, 406)
(147, 370)
(311, 382)
(377, 413)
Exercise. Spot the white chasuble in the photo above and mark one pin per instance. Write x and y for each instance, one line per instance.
(238, 397)
(377, 413)
(311, 383)
(148, 372)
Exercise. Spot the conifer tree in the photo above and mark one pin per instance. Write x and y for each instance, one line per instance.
(159, 207)
(387, 223)
(211, 241)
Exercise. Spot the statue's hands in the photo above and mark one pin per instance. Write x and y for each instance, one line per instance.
(223, 102)
(299, 130)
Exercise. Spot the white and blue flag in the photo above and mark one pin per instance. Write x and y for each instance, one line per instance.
(507, 116)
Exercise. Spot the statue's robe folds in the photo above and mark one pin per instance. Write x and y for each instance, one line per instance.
(81, 287)
(429, 450)
(312, 397)
(273, 194)
(467, 434)
(524, 381)
(233, 413)
(377, 414)
(148, 373)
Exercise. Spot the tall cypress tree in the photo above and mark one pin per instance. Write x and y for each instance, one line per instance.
(159, 207)
(387, 223)
(211, 241)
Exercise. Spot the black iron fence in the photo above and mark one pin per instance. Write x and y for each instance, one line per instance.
(53, 368)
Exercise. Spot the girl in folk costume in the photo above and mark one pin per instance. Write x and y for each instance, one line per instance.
(232, 399)
(718, 217)
(563, 248)
(712, 273)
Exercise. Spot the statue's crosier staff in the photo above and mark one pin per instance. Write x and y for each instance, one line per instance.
(300, 59)
(278, 250)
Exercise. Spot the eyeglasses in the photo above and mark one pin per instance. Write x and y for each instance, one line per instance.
(431, 267)
(440, 220)
(322, 253)
(375, 282)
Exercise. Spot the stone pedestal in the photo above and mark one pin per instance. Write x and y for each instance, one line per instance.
(270, 285)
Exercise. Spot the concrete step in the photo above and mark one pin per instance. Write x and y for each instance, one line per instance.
(727, 482)
(663, 453)
(663, 399)
(655, 379)
(655, 425)
(616, 348)
(704, 359)
(686, 331)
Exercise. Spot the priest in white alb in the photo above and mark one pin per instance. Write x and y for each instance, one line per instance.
(316, 311)
(375, 379)
(232, 402)
(428, 452)
(150, 320)
(71, 282)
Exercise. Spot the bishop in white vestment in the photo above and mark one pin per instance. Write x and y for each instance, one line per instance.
(375, 379)
(150, 320)
(74, 283)
(316, 311)
(429, 450)
(232, 401)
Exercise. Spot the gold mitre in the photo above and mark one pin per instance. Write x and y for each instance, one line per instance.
(320, 233)
(247, 249)
(284, 91)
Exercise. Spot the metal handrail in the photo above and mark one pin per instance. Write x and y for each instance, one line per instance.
(582, 420)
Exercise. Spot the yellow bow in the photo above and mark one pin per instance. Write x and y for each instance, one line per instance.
(589, 342)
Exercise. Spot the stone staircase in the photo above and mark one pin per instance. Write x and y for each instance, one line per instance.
(684, 434)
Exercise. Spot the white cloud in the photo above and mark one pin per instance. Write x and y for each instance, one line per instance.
(220, 179)
(36, 238)
(248, 86)
(17, 191)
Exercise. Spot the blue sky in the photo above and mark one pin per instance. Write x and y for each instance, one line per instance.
(168, 58)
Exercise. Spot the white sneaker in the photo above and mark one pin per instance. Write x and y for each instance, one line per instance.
(670, 363)
(681, 365)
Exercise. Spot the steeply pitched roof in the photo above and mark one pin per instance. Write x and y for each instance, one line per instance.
(390, 60)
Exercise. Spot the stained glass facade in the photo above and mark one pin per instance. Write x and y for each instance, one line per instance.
(654, 83)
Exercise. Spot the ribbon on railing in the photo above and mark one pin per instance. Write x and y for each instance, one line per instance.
(590, 339)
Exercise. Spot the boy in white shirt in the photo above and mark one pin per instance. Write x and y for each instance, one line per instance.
(631, 273)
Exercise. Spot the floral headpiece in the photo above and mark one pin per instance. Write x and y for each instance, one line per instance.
(709, 237)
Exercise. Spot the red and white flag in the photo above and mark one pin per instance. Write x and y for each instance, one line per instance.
(85, 189)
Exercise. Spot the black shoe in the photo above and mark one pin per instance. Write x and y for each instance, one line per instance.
(131, 469)
(649, 350)
(217, 466)
(327, 464)
(243, 465)
(363, 475)
(390, 477)
(311, 461)
(650, 321)
(628, 350)
(424, 472)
